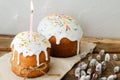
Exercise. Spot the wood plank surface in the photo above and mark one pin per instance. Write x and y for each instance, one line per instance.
(5, 42)
(109, 45)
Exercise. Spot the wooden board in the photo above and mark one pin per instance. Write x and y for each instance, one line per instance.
(5, 42)
(109, 45)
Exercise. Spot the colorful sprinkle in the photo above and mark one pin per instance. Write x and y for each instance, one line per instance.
(67, 28)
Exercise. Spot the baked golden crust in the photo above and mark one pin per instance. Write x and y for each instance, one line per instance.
(66, 48)
(28, 65)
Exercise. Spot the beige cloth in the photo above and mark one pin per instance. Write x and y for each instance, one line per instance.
(58, 66)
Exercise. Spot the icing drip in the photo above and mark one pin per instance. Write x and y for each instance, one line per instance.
(37, 59)
(60, 26)
(18, 62)
(46, 55)
(30, 46)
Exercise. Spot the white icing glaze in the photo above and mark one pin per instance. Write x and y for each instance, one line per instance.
(30, 46)
(18, 59)
(61, 26)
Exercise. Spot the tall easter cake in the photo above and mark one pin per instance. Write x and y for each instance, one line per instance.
(30, 54)
(64, 34)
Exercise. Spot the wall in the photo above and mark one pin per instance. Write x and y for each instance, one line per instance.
(98, 18)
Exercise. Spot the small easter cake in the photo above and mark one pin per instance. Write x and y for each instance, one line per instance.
(30, 54)
(64, 34)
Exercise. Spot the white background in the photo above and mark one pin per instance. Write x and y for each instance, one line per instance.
(98, 18)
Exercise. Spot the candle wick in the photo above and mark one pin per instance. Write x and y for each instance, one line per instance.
(32, 11)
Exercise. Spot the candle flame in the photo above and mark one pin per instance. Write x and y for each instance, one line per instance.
(31, 5)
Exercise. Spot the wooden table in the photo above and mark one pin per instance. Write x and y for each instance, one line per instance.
(109, 45)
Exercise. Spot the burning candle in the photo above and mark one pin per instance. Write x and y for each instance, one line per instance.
(31, 17)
